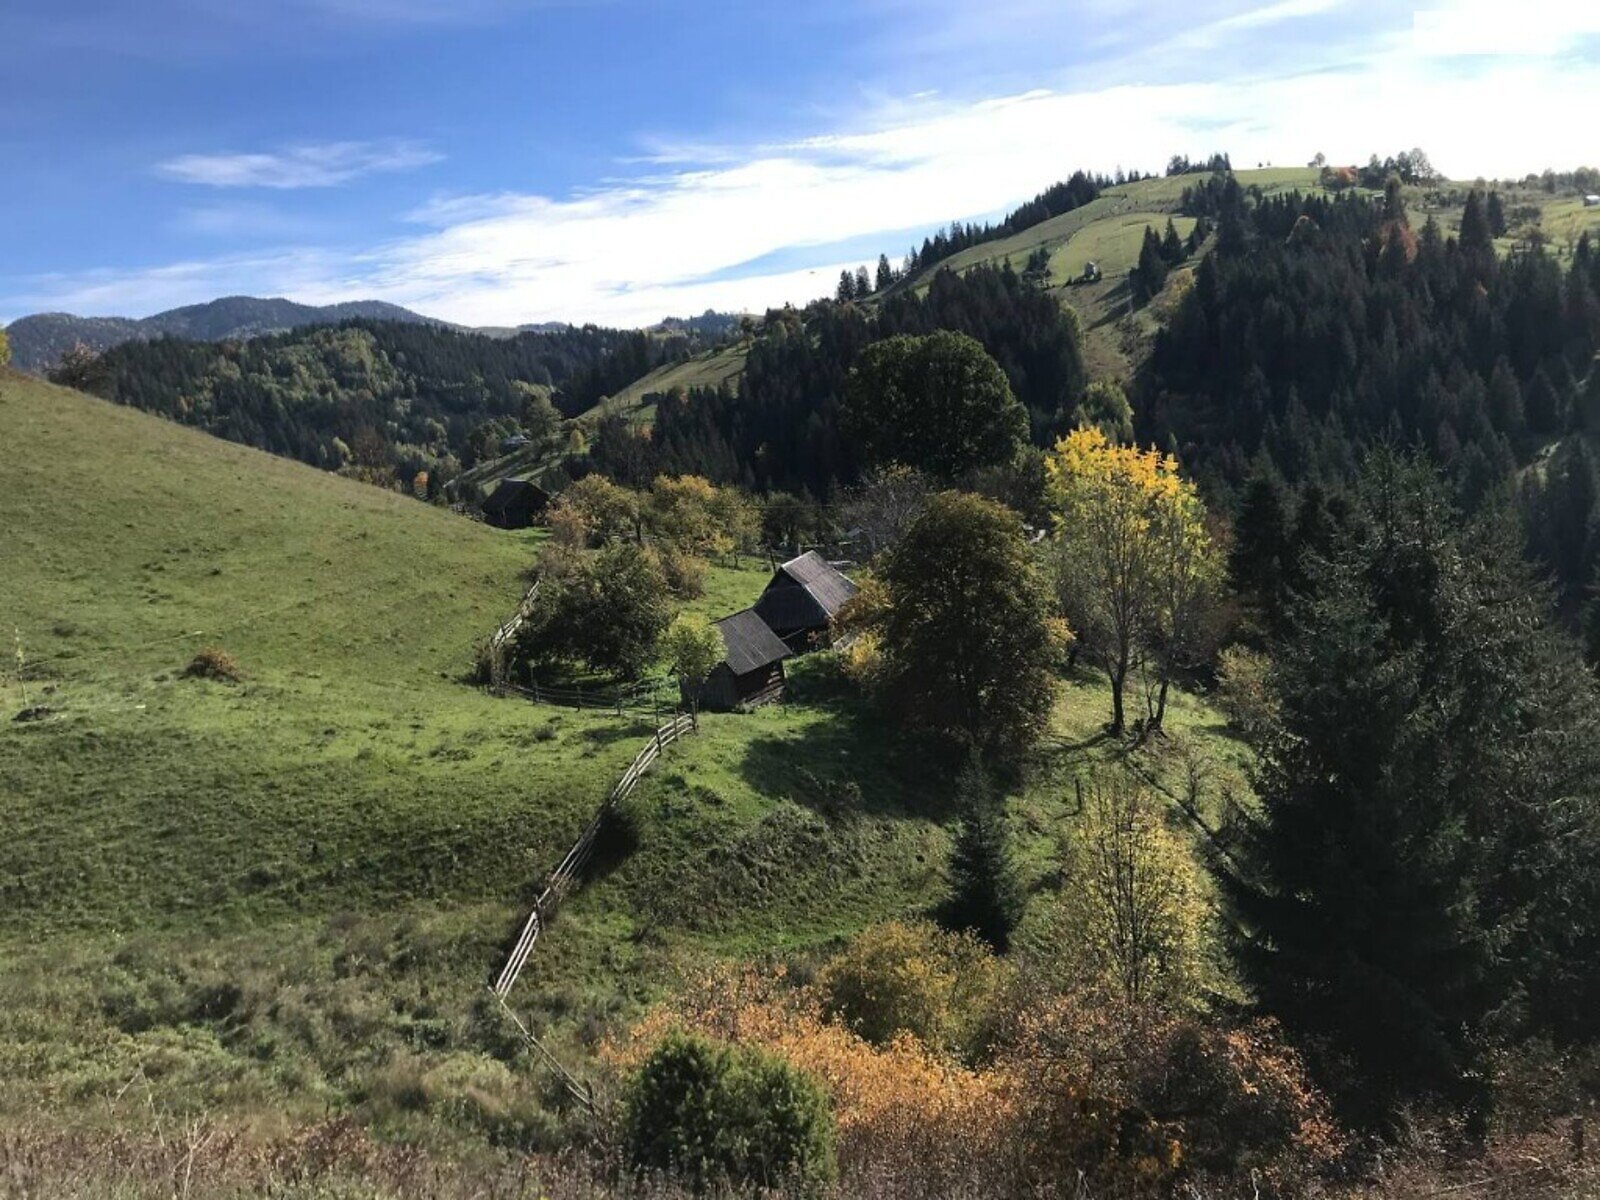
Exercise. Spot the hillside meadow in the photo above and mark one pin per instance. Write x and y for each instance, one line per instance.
(279, 898)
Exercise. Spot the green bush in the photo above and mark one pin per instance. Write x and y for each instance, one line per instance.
(712, 1112)
(913, 977)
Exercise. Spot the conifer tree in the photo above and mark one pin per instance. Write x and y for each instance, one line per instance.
(1172, 251)
(1151, 274)
(986, 896)
(1424, 867)
(1475, 233)
(1496, 213)
(885, 272)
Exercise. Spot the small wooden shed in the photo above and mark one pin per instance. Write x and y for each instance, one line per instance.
(515, 504)
(803, 597)
(751, 672)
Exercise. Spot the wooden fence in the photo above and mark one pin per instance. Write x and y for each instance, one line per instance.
(566, 874)
(563, 879)
(647, 696)
(500, 640)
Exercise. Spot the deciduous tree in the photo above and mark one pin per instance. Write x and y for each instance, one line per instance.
(692, 647)
(937, 403)
(1128, 523)
(968, 640)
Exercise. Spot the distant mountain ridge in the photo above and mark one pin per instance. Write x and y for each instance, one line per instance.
(39, 341)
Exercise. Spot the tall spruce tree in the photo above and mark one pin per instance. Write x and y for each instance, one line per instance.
(986, 896)
(1422, 881)
(1151, 274)
(1172, 249)
(1495, 211)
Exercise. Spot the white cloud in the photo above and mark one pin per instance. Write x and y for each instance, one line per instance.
(676, 240)
(326, 164)
(1488, 27)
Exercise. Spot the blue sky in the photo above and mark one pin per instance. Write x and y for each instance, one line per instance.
(503, 161)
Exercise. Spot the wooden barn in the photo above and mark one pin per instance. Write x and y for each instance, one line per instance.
(751, 673)
(515, 504)
(803, 597)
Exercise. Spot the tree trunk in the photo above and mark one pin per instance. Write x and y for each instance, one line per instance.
(1161, 703)
(1119, 676)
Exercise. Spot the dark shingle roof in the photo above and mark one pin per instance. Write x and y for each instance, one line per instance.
(813, 572)
(751, 644)
(508, 492)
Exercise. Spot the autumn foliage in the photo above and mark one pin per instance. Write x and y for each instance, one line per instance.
(1138, 568)
(1078, 1089)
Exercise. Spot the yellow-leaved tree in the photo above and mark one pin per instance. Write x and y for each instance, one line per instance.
(1138, 566)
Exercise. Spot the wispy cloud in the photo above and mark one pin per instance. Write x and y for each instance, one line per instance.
(732, 226)
(1483, 27)
(321, 165)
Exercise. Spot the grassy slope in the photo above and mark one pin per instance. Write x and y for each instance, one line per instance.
(1108, 231)
(282, 897)
(709, 369)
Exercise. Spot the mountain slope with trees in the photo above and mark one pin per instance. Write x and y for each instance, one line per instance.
(40, 341)
(403, 404)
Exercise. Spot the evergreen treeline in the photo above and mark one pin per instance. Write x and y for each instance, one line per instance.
(1055, 200)
(1323, 325)
(1419, 888)
(380, 395)
(779, 430)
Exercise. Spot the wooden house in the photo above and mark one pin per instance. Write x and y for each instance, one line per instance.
(751, 672)
(803, 597)
(515, 504)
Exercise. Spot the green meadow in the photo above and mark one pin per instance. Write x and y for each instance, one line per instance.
(279, 898)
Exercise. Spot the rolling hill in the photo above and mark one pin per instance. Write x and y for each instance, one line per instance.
(279, 898)
(1107, 230)
(39, 341)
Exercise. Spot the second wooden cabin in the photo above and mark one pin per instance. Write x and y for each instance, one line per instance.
(803, 597)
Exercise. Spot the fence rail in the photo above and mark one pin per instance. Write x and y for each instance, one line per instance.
(565, 876)
(653, 697)
(500, 640)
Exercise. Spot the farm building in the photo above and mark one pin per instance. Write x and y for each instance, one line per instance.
(515, 504)
(803, 597)
(751, 672)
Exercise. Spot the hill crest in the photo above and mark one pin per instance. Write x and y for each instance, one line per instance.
(38, 341)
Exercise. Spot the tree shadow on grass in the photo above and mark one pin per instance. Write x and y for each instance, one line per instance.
(619, 731)
(852, 763)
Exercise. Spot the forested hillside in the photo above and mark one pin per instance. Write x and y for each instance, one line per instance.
(39, 342)
(389, 401)
(777, 426)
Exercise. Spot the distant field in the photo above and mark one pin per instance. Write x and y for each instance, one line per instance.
(1112, 243)
(1108, 230)
(711, 369)
(1561, 219)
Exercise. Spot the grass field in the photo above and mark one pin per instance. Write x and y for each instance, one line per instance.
(713, 368)
(280, 898)
(710, 369)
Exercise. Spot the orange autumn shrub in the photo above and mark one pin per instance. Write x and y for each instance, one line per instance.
(899, 1109)
(1086, 1092)
(1136, 1097)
